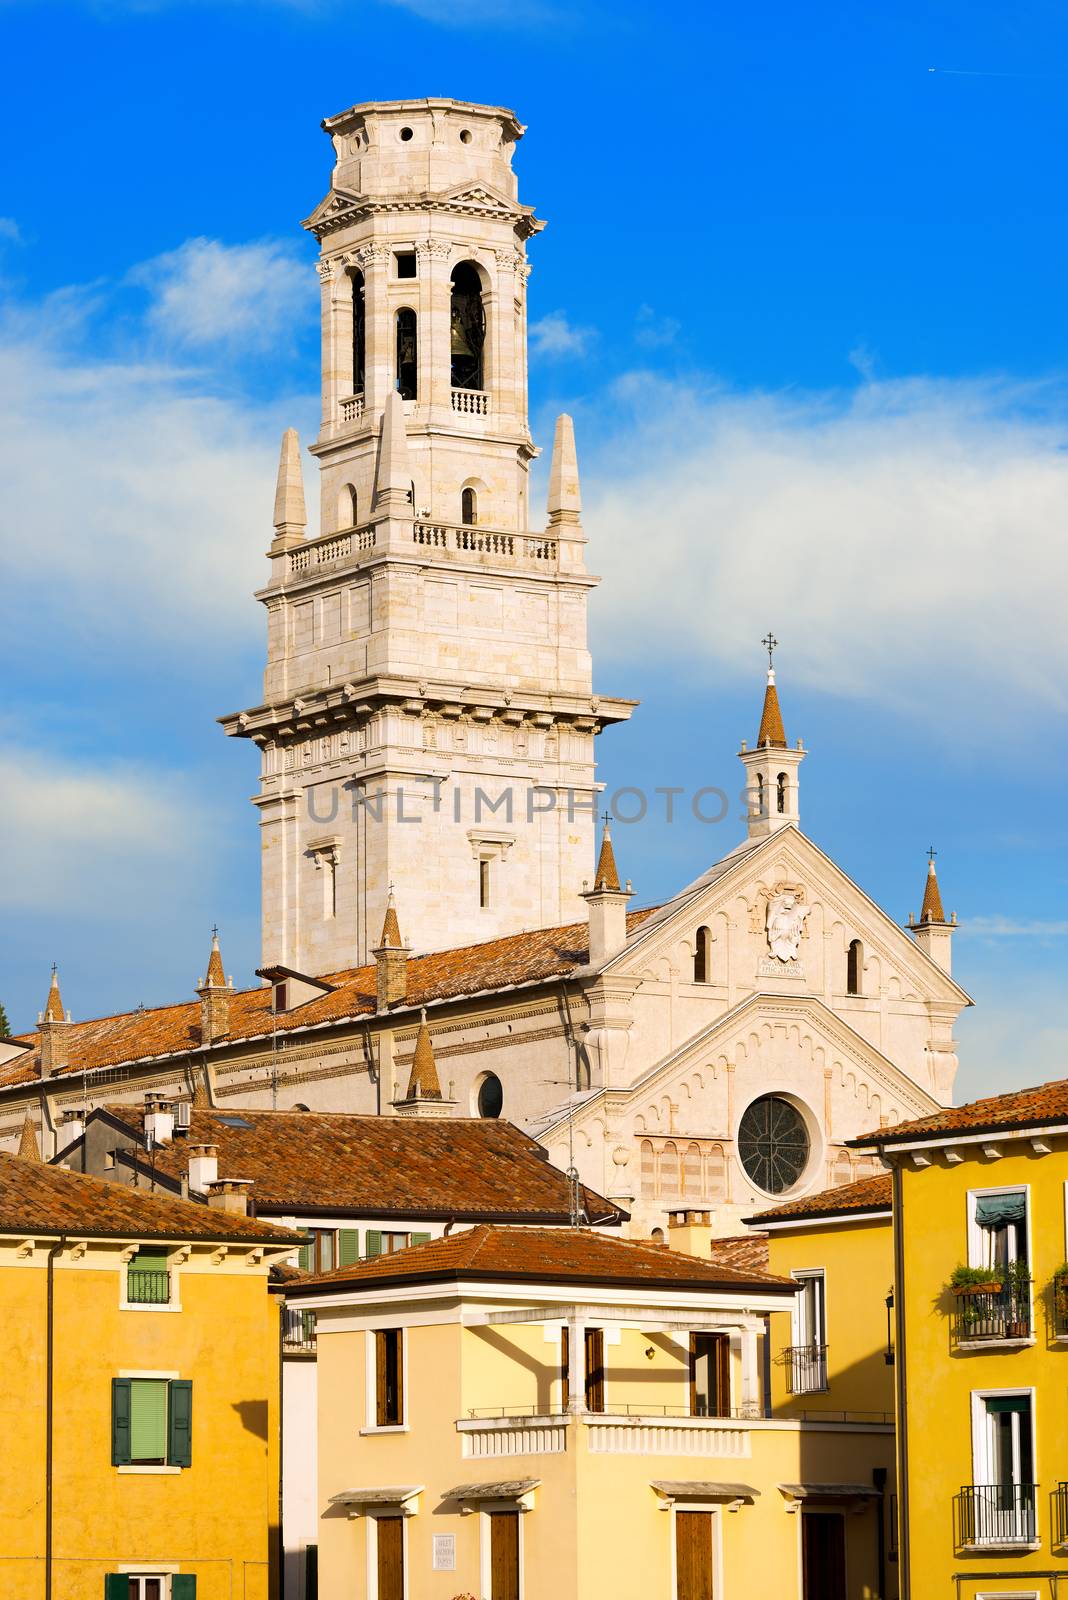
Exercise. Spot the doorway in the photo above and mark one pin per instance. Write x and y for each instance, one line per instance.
(823, 1555)
(693, 1555)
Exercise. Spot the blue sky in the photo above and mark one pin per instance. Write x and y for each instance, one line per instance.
(802, 294)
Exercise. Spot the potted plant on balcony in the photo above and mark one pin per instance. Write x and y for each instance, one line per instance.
(967, 1284)
(1018, 1283)
(1060, 1296)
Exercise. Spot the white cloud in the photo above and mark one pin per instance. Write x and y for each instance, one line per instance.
(653, 331)
(906, 541)
(998, 927)
(10, 230)
(206, 293)
(554, 336)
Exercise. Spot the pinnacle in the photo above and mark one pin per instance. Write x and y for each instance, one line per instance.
(424, 1083)
(607, 875)
(215, 978)
(29, 1149)
(391, 936)
(290, 516)
(771, 729)
(53, 1011)
(932, 898)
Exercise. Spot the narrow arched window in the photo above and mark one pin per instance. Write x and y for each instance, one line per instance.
(359, 333)
(346, 507)
(691, 1173)
(669, 1170)
(468, 508)
(780, 793)
(407, 354)
(761, 809)
(854, 967)
(467, 327)
(702, 957)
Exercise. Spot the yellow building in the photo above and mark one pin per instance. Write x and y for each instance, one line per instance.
(138, 1392)
(532, 1414)
(980, 1213)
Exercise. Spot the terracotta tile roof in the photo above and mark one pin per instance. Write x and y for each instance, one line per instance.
(607, 874)
(215, 978)
(1022, 1108)
(328, 1161)
(135, 1036)
(53, 1011)
(36, 1198)
(931, 910)
(771, 729)
(747, 1252)
(29, 1148)
(546, 1255)
(423, 1082)
(867, 1194)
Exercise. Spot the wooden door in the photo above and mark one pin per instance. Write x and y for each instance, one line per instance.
(823, 1548)
(504, 1555)
(693, 1555)
(390, 1558)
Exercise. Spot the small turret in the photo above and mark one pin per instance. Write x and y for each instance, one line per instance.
(771, 768)
(607, 904)
(424, 1097)
(933, 933)
(214, 993)
(391, 960)
(53, 1025)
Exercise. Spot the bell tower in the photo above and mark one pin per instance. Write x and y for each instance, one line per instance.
(428, 716)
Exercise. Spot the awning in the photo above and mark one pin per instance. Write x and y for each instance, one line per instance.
(995, 1210)
(501, 1489)
(404, 1500)
(854, 1495)
(732, 1495)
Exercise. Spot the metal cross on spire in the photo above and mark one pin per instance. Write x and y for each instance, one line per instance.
(932, 852)
(214, 930)
(769, 644)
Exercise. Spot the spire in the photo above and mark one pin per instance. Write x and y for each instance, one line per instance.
(423, 1083)
(932, 897)
(393, 473)
(391, 938)
(53, 1011)
(565, 500)
(29, 1149)
(606, 876)
(771, 729)
(216, 978)
(290, 516)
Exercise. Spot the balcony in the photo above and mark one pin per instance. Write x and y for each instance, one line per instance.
(1060, 1305)
(1060, 1518)
(496, 548)
(298, 1331)
(999, 1315)
(470, 402)
(350, 407)
(147, 1287)
(806, 1368)
(997, 1516)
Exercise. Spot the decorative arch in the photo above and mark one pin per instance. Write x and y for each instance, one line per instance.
(359, 332)
(648, 1168)
(702, 956)
(692, 1186)
(855, 967)
(669, 1170)
(716, 1172)
(406, 371)
(842, 1172)
(467, 327)
(782, 785)
(346, 506)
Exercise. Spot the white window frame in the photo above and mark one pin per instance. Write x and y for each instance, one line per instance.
(485, 1553)
(982, 1466)
(977, 1235)
(174, 1260)
(804, 1275)
(371, 1522)
(371, 1383)
(717, 1542)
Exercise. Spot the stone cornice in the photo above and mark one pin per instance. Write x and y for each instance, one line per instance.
(343, 209)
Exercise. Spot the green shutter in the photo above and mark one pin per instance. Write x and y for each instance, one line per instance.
(348, 1248)
(304, 1259)
(120, 1422)
(150, 1261)
(373, 1242)
(148, 1419)
(183, 1586)
(116, 1586)
(420, 1238)
(180, 1423)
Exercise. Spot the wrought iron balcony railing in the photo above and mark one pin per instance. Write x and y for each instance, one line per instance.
(1003, 1312)
(997, 1514)
(298, 1330)
(806, 1368)
(147, 1288)
(1060, 1516)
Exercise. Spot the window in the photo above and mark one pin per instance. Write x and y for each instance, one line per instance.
(710, 1375)
(389, 1378)
(490, 1096)
(148, 1279)
(320, 1253)
(648, 1168)
(346, 507)
(381, 1243)
(761, 808)
(484, 883)
(702, 956)
(407, 354)
(150, 1586)
(406, 264)
(780, 793)
(467, 328)
(359, 334)
(998, 1236)
(773, 1143)
(151, 1422)
(807, 1357)
(593, 1384)
(468, 508)
(854, 967)
(999, 1506)
(691, 1173)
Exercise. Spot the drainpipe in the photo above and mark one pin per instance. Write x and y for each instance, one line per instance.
(280, 1587)
(49, 1365)
(900, 1372)
(878, 1478)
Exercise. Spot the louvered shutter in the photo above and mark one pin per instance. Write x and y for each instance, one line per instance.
(348, 1246)
(304, 1257)
(121, 1409)
(116, 1586)
(373, 1243)
(184, 1586)
(381, 1404)
(420, 1238)
(180, 1423)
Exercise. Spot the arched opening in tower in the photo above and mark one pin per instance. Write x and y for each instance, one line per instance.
(468, 327)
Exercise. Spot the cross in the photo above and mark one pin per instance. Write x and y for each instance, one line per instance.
(604, 818)
(214, 930)
(55, 969)
(932, 852)
(769, 645)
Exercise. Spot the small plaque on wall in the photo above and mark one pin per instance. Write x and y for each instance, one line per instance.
(444, 1552)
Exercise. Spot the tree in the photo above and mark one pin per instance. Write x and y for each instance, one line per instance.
(5, 1026)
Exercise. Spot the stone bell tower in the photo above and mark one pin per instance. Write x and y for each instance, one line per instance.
(428, 716)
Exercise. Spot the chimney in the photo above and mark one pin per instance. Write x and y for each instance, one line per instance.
(391, 960)
(214, 993)
(608, 906)
(203, 1167)
(690, 1232)
(231, 1194)
(71, 1127)
(159, 1120)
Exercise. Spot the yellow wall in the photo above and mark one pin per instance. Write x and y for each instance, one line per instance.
(858, 1263)
(596, 1528)
(939, 1380)
(214, 1518)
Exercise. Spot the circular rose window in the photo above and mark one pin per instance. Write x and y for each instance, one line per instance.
(773, 1143)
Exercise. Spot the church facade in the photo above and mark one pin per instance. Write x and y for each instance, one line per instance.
(437, 937)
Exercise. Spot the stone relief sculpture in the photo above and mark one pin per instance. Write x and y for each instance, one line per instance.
(786, 924)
